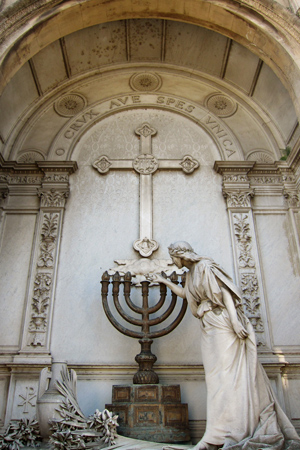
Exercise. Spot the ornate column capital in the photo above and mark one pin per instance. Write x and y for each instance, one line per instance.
(53, 198)
(240, 198)
(292, 197)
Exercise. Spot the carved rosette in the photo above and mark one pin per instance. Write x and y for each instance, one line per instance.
(102, 164)
(145, 130)
(145, 246)
(248, 275)
(189, 164)
(145, 164)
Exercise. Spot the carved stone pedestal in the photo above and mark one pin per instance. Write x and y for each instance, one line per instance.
(151, 412)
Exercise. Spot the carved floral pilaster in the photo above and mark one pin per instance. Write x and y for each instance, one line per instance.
(52, 202)
(248, 274)
(247, 267)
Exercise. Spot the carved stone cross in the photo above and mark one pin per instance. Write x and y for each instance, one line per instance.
(146, 164)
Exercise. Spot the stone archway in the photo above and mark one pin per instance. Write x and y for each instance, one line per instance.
(254, 24)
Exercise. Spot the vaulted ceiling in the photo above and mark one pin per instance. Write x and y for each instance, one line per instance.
(192, 62)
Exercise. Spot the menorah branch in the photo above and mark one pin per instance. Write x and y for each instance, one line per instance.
(145, 359)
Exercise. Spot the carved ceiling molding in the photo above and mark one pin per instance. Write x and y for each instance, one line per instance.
(145, 81)
(70, 104)
(221, 105)
(30, 156)
(260, 156)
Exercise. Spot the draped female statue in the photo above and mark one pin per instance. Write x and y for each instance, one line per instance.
(242, 411)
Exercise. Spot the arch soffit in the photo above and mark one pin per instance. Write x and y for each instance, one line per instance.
(71, 133)
(31, 119)
(254, 24)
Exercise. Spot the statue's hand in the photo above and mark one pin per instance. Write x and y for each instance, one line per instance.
(155, 278)
(241, 332)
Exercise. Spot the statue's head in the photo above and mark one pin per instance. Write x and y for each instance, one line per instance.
(183, 250)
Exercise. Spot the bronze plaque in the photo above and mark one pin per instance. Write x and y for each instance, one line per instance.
(176, 415)
(171, 394)
(146, 415)
(147, 393)
(121, 393)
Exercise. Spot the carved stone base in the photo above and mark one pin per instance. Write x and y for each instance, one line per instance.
(151, 412)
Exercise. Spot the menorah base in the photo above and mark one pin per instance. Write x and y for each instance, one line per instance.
(151, 412)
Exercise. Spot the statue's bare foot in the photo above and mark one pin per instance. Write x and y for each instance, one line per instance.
(204, 446)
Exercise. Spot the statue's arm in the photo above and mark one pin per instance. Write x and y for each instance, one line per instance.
(178, 290)
(236, 324)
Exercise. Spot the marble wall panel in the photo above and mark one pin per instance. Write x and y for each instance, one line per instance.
(102, 222)
(51, 56)
(145, 37)
(23, 397)
(294, 397)
(195, 47)
(280, 276)
(96, 46)
(15, 257)
(18, 94)
(241, 66)
(274, 98)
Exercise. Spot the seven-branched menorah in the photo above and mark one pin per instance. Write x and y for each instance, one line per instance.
(145, 359)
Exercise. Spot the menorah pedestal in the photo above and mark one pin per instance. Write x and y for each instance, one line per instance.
(151, 412)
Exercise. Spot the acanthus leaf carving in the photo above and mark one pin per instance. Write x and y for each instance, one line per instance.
(248, 277)
(53, 197)
(240, 198)
(40, 307)
(292, 198)
(48, 239)
(242, 233)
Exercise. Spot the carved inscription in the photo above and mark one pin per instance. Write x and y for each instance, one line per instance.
(220, 132)
(175, 103)
(221, 135)
(79, 123)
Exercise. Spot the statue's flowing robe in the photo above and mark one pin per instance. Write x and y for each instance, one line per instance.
(242, 412)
